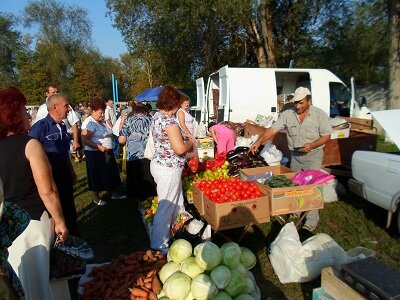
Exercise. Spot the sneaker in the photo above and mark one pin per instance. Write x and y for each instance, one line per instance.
(116, 196)
(100, 202)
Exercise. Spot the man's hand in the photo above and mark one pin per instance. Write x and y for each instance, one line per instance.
(306, 148)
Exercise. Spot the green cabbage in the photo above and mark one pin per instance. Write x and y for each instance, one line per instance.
(177, 286)
(167, 270)
(203, 288)
(230, 255)
(180, 250)
(237, 284)
(242, 269)
(249, 289)
(208, 255)
(190, 267)
(244, 297)
(221, 275)
(247, 258)
(222, 296)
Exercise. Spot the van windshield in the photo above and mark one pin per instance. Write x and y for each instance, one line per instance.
(340, 97)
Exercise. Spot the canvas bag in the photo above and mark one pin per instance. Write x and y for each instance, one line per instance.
(149, 150)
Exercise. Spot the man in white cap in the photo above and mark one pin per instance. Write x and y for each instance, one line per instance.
(308, 130)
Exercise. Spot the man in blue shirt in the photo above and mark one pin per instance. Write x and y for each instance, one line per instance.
(52, 133)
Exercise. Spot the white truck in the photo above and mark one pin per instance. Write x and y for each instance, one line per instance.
(237, 94)
(376, 176)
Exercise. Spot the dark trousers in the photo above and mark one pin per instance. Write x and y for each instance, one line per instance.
(139, 182)
(65, 186)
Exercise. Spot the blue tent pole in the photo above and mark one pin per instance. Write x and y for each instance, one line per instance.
(113, 86)
(116, 91)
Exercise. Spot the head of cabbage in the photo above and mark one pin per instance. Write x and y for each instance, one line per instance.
(203, 287)
(237, 284)
(180, 250)
(221, 275)
(177, 286)
(222, 296)
(190, 267)
(247, 258)
(230, 254)
(167, 270)
(208, 255)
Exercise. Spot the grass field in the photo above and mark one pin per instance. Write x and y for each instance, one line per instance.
(117, 229)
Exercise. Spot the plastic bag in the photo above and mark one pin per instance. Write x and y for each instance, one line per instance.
(311, 176)
(264, 121)
(243, 142)
(200, 131)
(294, 261)
(68, 259)
(271, 154)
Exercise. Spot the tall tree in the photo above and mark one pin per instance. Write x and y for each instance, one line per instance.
(10, 45)
(62, 31)
(394, 57)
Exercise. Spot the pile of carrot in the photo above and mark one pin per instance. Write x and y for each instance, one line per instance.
(127, 277)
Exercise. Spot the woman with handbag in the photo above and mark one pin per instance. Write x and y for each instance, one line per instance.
(135, 133)
(28, 182)
(167, 165)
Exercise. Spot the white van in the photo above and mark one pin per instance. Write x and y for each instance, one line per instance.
(237, 94)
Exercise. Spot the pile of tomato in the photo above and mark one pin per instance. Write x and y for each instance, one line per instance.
(229, 189)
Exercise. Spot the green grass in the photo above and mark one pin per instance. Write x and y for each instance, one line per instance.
(384, 146)
(117, 229)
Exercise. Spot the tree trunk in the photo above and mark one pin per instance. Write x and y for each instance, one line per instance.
(394, 55)
(264, 47)
(267, 33)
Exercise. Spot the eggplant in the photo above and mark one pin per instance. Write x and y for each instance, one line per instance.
(230, 154)
(242, 149)
(236, 156)
(256, 157)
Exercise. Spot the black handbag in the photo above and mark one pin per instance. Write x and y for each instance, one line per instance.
(183, 233)
(69, 259)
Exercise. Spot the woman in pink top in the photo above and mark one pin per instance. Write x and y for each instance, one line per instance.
(223, 136)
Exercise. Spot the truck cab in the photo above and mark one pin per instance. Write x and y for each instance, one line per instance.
(376, 176)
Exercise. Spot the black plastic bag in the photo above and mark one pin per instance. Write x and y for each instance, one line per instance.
(183, 233)
(68, 259)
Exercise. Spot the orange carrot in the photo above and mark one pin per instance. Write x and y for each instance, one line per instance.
(156, 285)
(137, 292)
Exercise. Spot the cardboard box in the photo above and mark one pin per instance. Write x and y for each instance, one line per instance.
(287, 200)
(341, 133)
(228, 215)
(205, 147)
(252, 174)
(198, 199)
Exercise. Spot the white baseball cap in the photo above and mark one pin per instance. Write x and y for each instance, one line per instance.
(300, 93)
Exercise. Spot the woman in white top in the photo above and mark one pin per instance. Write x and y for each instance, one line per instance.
(101, 167)
(185, 119)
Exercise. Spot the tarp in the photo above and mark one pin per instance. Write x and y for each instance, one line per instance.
(151, 94)
(388, 120)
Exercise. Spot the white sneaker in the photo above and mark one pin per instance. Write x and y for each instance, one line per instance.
(100, 202)
(116, 196)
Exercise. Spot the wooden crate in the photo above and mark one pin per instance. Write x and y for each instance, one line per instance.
(336, 287)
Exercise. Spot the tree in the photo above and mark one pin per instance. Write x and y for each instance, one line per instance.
(394, 57)
(63, 31)
(10, 45)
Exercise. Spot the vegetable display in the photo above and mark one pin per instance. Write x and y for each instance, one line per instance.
(277, 181)
(223, 275)
(150, 206)
(229, 189)
(241, 159)
(131, 276)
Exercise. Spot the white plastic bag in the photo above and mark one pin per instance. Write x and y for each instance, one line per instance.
(200, 131)
(271, 155)
(296, 262)
(243, 142)
(150, 149)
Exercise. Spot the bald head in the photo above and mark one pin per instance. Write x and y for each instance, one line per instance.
(57, 106)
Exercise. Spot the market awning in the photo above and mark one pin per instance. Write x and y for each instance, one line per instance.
(151, 94)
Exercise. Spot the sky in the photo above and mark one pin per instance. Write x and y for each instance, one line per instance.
(106, 38)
